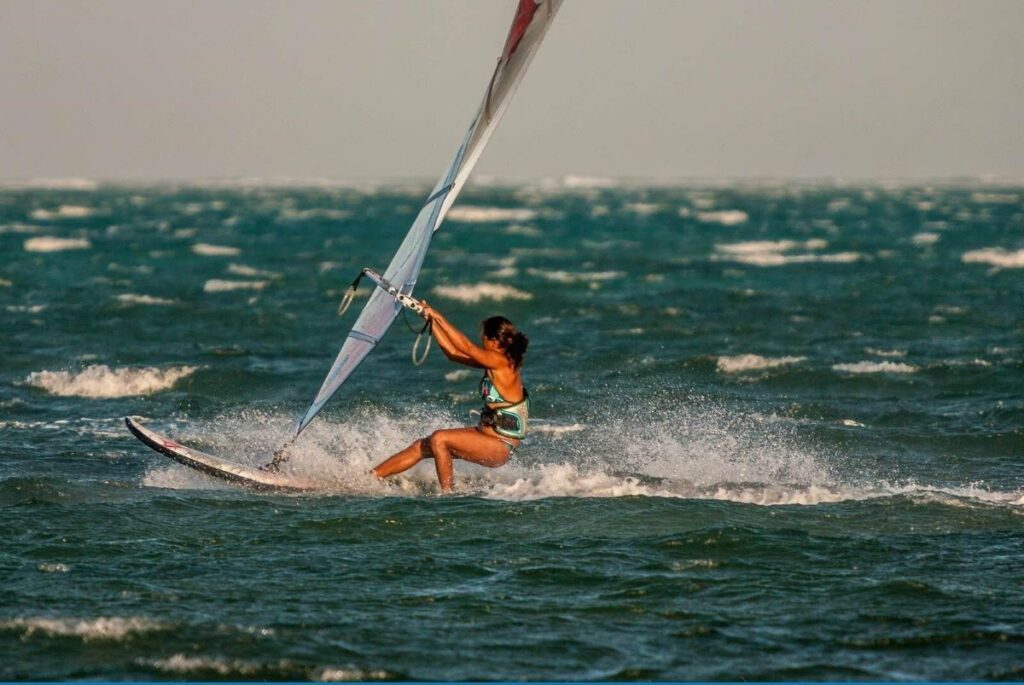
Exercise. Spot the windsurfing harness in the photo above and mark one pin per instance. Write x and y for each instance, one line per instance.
(507, 418)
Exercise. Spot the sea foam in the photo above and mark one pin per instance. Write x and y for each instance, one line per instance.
(100, 381)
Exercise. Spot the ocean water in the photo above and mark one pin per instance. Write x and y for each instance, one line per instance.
(778, 434)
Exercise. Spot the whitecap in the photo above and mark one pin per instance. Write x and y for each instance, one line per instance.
(207, 250)
(753, 362)
(577, 277)
(244, 270)
(725, 217)
(88, 629)
(778, 259)
(925, 238)
(218, 285)
(885, 353)
(46, 567)
(4, 283)
(589, 182)
(996, 256)
(291, 214)
(62, 212)
(770, 246)
(642, 208)
(994, 198)
(133, 298)
(53, 244)
(523, 230)
(481, 291)
(875, 367)
(101, 381)
(471, 214)
(20, 228)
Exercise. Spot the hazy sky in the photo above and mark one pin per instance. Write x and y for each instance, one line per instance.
(351, 89)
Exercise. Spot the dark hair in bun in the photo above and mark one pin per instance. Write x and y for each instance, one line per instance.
(511, 341)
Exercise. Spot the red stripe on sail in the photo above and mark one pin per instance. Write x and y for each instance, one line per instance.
(524, 16)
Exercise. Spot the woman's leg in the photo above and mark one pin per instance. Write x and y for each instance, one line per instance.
(468, 444)
(403, 460)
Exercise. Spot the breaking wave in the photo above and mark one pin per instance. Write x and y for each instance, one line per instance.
(99, 381)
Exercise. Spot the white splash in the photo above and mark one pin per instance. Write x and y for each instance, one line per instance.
(458, 375)
(219, 285)
(875, 367)
(753, 362)
(207, 250)
(691, 449)
(481, 291)
(53, 244)
(475, 215)
(996, 256)
(100, 381)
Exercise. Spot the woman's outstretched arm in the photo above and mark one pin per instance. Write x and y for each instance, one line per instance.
(462, 345)
(449, 349)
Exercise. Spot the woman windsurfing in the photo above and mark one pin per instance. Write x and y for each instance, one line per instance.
(506, 403)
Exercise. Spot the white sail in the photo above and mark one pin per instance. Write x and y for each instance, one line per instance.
(529, 25)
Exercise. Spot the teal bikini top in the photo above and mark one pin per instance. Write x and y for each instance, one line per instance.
(510, 418)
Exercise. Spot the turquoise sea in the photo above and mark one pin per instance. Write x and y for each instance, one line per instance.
(779, 431)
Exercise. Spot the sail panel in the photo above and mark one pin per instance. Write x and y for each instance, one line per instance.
(529, 24)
